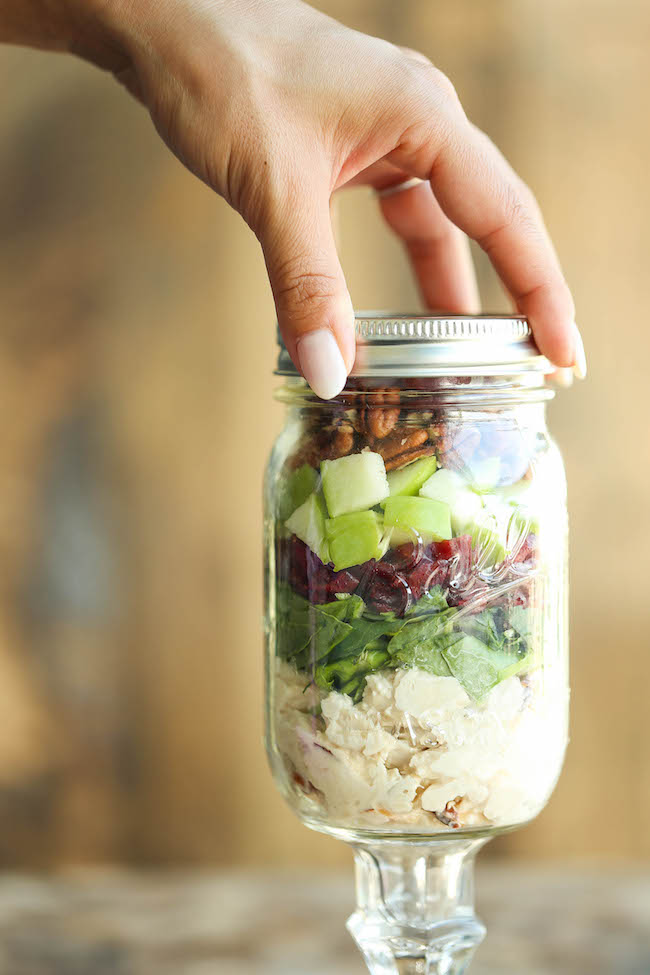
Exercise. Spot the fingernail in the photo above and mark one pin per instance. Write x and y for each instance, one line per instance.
(580, 363)
(321, 363)
(562, 378)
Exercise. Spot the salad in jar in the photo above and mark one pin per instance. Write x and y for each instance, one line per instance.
(417, 679)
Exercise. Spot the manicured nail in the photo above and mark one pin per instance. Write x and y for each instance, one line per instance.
(562, 378)
(321, 363)
(580, 363)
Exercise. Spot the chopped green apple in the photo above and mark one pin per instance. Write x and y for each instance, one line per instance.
(496, 532)
(484, 474)
(354, 538)
(408, 480)
(524, 498)
(354, 483)
(465, 504)
(429, 518)
(296, 489)
(308, 523)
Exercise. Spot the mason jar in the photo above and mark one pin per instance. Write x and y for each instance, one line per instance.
(416, 581)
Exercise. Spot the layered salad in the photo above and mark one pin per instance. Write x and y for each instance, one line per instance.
(416, 682)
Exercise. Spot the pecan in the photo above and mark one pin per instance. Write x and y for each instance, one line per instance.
(401, 442)
(342, 441)
(456, 445)
(309, 453)
(311, 450)
(378, 413)
(383, 397)
(325, 444)
(440, 434)
(402, 459)
(449, 815)
(380, 422)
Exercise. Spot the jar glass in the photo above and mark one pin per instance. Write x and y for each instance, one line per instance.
(416, 579)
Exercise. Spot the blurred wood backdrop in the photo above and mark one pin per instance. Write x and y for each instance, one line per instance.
(136, 349)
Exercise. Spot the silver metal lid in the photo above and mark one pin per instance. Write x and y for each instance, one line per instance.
(428, 345)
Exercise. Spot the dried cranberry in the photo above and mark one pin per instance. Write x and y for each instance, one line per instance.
(443, 549)
(405, 557)
(477, 596)
(343, 581)
(292, 559)
(448, 547)
(318, 579)
(427, 574)
(528, 550)
(457, 553)
(306, 573)
(385, 590)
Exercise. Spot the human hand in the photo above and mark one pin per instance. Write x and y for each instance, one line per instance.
(276, 106)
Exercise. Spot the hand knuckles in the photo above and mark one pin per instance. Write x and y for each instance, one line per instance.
(416, 56)
(525, 196)
(444, 85)
(300, 287)
(435, 82)
(520, 207)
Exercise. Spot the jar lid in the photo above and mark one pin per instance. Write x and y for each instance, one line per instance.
(430, 345)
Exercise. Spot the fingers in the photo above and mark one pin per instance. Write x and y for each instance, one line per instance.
(438, 251)
(480, 193)
(313, 305)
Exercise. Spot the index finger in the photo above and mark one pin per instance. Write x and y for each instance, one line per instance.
(480, 192)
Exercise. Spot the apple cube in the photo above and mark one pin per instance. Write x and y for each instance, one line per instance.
(354, 483)
(495, 532)
(408, 480)
(296, 489)
(354, 538)
(429, 518)
(308, 523)
(484, 474)
(448, 486)
(524, 497)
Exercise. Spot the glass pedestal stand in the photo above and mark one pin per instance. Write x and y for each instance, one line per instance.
(415, 906)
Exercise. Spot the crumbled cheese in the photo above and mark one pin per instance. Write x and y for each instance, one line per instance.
(417, 742)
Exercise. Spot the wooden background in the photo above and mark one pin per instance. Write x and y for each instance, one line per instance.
(136, 348)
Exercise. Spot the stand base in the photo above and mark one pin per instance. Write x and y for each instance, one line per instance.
(415, 913)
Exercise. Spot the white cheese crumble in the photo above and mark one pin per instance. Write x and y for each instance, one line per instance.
(417, 744)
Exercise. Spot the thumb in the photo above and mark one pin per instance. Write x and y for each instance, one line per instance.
(313, 305)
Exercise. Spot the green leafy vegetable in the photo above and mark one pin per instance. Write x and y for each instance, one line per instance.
(368, 634)
(344, 609)
(478, 668)
(349, 674)
(473, 664)
(420, 643)
(341, 642)
(432, 601)
(520, 620)
(316, 629)
(485, 627)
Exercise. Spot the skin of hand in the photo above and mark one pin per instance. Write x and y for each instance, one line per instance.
(276, 106)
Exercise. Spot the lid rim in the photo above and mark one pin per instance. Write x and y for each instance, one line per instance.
(400, 344)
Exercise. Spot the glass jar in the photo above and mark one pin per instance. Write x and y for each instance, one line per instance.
(416, 535)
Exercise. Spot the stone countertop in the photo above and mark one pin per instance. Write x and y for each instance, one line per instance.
(541, 921)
